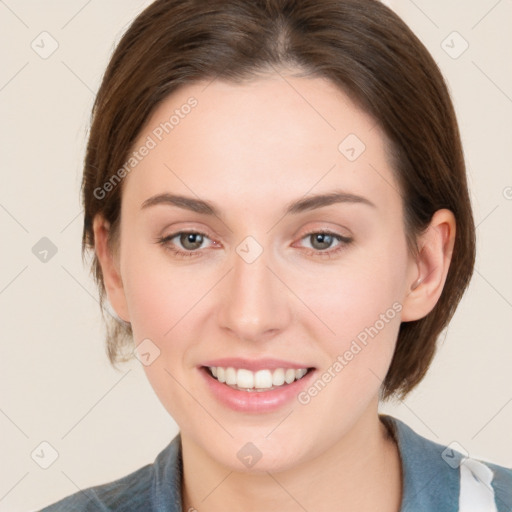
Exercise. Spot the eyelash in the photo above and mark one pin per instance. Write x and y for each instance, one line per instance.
(177, 252)
(344, 242)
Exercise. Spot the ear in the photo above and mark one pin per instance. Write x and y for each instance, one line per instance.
(109, 268)
(430, 268)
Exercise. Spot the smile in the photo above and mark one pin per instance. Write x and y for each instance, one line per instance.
(262, 380)
(255, 386)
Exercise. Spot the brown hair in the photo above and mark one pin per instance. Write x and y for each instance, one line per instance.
(363, 48)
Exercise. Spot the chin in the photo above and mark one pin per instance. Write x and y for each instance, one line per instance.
(252, 450)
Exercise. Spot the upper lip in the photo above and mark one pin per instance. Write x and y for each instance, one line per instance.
(255, 364)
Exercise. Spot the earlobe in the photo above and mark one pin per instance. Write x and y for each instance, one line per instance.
(431, 266)
(109, 268)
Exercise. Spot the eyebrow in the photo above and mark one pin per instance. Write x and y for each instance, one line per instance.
(320, 200)
(188, 203)
(295, 207)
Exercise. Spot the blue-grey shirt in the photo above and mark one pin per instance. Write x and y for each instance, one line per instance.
(433, 480)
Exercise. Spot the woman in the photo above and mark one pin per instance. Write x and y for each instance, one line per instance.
(276, 198)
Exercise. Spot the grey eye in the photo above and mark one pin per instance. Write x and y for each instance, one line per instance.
(321, 241)
(191, 241)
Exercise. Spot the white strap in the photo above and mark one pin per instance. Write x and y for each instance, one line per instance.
(476, 492)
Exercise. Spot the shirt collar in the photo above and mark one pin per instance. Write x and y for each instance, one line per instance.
(428, 482)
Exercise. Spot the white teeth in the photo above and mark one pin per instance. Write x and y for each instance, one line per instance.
(278, 377)
(259, 380)
(244, 379)
(289, 376)
(231, 376)
(263, 379)
(300, 373)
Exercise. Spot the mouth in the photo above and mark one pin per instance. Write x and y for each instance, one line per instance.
(264, 387)
(262, 380)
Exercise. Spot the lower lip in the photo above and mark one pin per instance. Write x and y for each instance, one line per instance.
(255, 401)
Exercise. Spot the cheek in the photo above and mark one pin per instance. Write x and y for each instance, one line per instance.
(156, 293)
(152, 303)
(363, 309)
(361, 305)
(159, 302)
(362, 291)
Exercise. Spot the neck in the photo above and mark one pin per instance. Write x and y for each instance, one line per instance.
(362, 471)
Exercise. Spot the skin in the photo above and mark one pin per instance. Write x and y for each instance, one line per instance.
(251, 149)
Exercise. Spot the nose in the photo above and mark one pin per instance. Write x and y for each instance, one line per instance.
(255, 305)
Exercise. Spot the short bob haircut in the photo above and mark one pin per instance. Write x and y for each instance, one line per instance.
(364, 49)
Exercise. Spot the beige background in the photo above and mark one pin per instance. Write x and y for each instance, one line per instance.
(57, 385)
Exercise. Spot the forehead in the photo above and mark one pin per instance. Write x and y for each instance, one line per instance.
(272, 138)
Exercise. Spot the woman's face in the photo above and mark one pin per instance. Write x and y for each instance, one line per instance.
(301, 262)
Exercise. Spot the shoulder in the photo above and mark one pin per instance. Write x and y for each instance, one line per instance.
(502, 486)
(153, 487)
(128, 493)
(442, 478)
